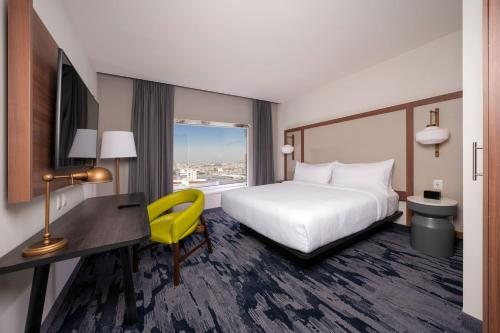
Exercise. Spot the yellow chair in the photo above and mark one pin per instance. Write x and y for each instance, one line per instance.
(170, 228)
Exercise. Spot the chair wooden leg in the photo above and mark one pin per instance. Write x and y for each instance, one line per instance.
(205, 231)
(176, 265)
(178, 258)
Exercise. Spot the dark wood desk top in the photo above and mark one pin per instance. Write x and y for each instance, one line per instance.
(95, 225)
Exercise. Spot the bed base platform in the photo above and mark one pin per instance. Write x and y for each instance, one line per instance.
(326, 249)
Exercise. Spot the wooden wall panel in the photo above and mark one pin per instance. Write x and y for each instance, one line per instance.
(295, 139)
(19, 101)
(44, 82)
(409, 139)
(448, 166)
(486, 199)
(32, 89)
(362, 140)
(491, 238)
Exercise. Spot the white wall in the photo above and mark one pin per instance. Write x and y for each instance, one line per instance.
(201, 105)
(115, 98)
(472, 131)
(20, 221)
(115, 110)
(57, 21)
(432, 69)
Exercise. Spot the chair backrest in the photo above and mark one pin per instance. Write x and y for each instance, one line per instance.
(160, 206)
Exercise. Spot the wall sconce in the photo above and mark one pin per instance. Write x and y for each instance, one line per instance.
(49, 244)
(433, 134)
(287, 149)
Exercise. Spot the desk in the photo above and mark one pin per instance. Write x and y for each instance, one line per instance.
(95, 225)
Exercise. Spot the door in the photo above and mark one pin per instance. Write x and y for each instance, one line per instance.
(491, 273)
(472, 159)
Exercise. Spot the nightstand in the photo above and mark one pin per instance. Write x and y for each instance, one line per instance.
(432, 232)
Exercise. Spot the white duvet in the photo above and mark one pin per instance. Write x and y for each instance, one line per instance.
(305, 216)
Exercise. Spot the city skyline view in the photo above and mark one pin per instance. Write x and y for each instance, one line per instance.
(209, 156)
(202, 143)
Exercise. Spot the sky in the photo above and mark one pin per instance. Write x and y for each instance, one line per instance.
(196, 143)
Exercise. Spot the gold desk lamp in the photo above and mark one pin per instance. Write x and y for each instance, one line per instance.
(47, 244)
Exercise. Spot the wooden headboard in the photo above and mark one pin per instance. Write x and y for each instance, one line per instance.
(365, 137)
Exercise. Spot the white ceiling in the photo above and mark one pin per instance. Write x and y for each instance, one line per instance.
(266, 49)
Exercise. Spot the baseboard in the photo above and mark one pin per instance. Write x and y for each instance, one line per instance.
(60, 298)
(470, 323)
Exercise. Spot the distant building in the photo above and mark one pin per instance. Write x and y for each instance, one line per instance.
(206, 174)
(189, 174)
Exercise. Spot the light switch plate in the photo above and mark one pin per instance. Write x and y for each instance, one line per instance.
(437, 184)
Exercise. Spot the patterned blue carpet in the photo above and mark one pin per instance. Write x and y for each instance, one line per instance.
(379, 284)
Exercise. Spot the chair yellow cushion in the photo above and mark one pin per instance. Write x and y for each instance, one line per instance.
(161, 228)
(172, 227)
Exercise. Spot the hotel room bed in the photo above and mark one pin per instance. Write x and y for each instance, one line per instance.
(309, 219)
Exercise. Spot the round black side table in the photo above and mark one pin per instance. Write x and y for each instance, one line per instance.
(432, 232)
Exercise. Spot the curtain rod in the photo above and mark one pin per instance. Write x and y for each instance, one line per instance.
(185, 87)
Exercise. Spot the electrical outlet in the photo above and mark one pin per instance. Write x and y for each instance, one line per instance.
(437, 184)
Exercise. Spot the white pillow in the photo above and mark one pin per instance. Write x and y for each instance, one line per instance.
(313, 173)
(372, 176)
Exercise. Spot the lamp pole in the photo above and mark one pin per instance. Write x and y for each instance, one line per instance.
(117, 175)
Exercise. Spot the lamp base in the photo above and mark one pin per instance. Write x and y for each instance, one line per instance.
(40, 248)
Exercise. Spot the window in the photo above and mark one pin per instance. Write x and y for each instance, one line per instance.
(208, 154)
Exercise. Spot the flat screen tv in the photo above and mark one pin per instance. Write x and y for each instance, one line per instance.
(77, 114)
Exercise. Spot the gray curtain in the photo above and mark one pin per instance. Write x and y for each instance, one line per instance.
(263, 166)
(153, 126)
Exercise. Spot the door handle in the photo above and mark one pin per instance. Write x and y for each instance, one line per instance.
(475, 148)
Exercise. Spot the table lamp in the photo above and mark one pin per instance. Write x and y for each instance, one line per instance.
(117, 144)
(49, 244)
(84, 144)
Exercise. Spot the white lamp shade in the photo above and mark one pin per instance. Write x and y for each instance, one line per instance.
(84, 144)
(118, 144)
(432, 135)
(287, 149)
